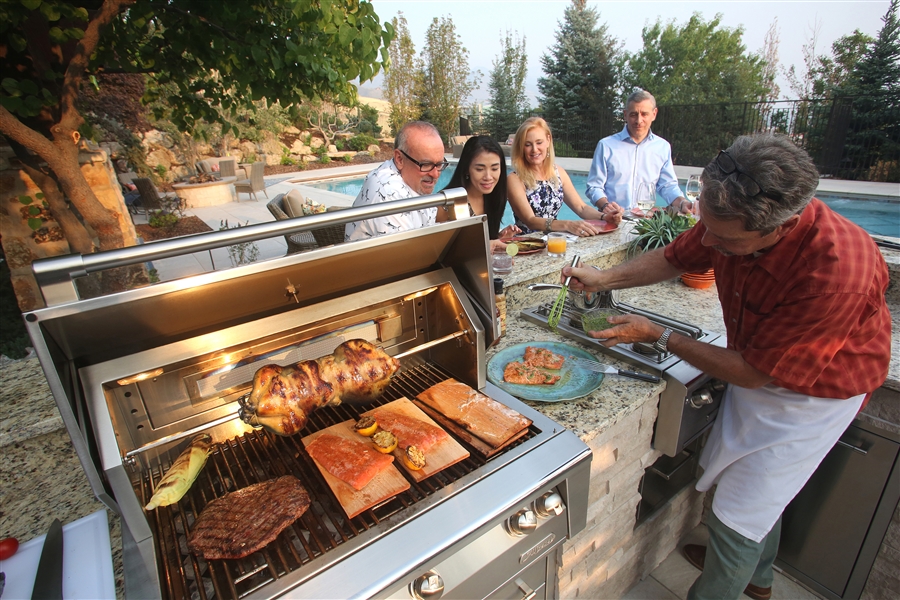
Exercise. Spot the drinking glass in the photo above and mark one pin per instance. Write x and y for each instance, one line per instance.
(556, 244)
(645, 196)
(502, 262)
(692, 188)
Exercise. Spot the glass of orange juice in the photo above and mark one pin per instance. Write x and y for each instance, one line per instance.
(556, 244)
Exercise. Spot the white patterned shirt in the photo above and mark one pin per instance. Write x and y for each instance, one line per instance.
(385, 184)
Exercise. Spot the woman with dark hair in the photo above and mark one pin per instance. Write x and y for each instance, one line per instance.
(482, 172)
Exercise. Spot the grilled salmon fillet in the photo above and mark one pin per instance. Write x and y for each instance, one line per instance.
(517, 372)
(543, 358)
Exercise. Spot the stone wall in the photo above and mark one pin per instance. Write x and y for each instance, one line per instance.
(610, 556)
(20, 246)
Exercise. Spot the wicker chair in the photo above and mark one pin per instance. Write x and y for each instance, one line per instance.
(227, 169)
(149, 197)
(296, 242)
(256, 183)
(330, 234)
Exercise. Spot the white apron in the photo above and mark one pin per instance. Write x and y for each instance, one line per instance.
(765, 444)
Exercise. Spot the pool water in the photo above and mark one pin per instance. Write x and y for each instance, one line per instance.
(875, 216)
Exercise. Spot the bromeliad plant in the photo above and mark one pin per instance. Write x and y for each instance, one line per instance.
(657, 230)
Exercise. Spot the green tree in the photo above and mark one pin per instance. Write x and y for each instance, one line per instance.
(874, 140)
(446, 79)
(402, 78)
(580, 89)
(835, 73)
(699, 62)
(507, 88)
(214, 58)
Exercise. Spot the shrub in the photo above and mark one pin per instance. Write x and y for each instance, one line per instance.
(348, 158)
(287, 160)
(368, 120)
(361, 142)
(160, 219)
(324, 159)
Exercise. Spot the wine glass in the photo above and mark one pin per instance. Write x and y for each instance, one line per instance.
(645, 196)
(692, 188)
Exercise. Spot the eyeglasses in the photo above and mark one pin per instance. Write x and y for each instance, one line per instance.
(426, 166)
(729, 166)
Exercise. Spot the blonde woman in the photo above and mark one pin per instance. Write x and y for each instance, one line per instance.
(539, 187)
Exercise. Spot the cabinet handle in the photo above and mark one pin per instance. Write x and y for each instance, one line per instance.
(530, 594)
(852, 447)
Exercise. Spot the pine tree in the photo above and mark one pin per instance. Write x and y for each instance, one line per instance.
(402, 78)
(874, 140)
(580, 90)
(507, 89)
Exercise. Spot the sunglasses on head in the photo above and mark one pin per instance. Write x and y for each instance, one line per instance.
(751, 187)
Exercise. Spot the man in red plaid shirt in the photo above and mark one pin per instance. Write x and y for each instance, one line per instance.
(802, 292)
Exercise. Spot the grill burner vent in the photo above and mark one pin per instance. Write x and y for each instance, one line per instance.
(260, 456)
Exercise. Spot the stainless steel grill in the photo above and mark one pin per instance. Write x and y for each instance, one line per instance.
(137, 374)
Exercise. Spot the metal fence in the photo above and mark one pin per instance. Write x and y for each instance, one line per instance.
(847, 137)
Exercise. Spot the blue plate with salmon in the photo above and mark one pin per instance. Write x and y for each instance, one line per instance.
(574, 382)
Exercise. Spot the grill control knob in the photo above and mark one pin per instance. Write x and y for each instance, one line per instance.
(427, 586)
(549, 505)
(701, 398)
(522, 523)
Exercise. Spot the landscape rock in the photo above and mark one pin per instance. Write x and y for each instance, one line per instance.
(299, 147)
(316, 143)
(332, 148)
(154, 137)
(373, 149)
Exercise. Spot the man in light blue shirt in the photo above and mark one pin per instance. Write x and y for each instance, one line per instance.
(633, 156)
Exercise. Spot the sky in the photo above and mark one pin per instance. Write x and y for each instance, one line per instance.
(481, 24)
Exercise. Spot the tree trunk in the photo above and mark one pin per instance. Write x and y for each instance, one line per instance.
(76, 234)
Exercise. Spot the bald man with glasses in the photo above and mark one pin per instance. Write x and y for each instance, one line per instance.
(413, 171)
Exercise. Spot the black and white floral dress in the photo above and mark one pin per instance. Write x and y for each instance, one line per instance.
(545, 200)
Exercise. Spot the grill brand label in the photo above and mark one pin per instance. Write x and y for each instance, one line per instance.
(537, 548)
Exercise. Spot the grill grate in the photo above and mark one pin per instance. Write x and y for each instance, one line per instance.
(258, 456)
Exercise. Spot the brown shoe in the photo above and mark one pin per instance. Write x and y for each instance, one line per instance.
(696, 555)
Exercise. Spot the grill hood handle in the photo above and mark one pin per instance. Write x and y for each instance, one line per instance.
(55, 275)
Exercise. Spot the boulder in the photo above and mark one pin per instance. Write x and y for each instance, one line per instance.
(154, 137)
(291, 130)
(249, 150)
(300, 148)
(273, 149)
(373, 149)
(332, 148)
(310, 158)
(316, 142)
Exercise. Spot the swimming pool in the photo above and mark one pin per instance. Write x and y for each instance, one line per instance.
(878, 217)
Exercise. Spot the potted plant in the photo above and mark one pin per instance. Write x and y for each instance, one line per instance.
(657, 230)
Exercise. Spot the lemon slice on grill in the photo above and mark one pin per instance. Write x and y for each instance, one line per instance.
(512, 248)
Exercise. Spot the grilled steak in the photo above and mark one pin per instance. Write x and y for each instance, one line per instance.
(242, 522)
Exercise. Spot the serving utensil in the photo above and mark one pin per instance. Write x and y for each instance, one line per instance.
(556, 310)
(599, 367)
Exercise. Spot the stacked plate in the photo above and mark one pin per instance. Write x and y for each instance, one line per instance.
(700, 281)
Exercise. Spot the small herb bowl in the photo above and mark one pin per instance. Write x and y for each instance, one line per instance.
(597, 319)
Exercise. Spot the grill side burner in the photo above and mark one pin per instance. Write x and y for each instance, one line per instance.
(690, 402)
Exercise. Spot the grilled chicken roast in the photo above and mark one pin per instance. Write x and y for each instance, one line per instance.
(283, 397)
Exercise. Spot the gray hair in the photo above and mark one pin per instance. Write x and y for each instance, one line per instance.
(421, 126)
(640, 96)
(784, 172)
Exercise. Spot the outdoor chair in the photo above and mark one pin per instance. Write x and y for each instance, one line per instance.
(254, 184)
(150, 198)
(129, 190)
(227, 169)
(296, 242)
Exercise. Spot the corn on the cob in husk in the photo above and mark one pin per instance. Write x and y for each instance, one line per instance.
(181, 475)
